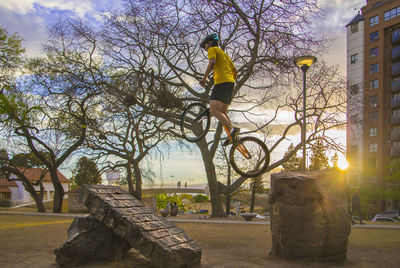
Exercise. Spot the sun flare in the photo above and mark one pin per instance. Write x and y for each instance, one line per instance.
(343, 164)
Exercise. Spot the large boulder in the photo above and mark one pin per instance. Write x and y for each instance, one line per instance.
(89, 239)
(116, 216)
(310, 215)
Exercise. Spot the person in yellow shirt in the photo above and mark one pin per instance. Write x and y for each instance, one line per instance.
(224, 82)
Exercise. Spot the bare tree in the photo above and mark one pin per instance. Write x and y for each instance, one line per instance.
(49, 111)
(125, 135)
(160, 40)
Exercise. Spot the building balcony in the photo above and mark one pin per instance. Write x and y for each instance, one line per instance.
(396, 36)
(396, 53)
(395, 136)
(395, 120)
(395, 151)
(396, 69)
(395, 103)
(395, 86)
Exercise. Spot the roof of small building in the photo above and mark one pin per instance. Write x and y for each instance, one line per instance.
(33, 174)
(356, 19)
(5, 190)
(4, 183)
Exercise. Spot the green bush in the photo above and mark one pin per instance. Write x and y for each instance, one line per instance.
(200, 198)
(162, 200)
(5, 203)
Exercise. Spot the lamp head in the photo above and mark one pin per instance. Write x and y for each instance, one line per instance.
(304, 62)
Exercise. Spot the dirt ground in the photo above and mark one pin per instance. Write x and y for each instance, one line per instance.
(29, 241)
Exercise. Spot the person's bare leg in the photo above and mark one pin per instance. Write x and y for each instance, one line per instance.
(219, 110)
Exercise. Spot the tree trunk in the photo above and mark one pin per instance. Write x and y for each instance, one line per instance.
(129, 178)
(253, 195)
(58, 190)
(38, 198)
(228, 195)
(138, 180)
(215, 196)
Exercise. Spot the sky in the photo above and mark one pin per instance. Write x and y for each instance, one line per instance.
(31, 19)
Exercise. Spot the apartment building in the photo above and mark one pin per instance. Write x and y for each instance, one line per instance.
(373, 137)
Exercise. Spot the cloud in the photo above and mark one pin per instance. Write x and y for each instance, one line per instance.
(336, 15)
(24, 7)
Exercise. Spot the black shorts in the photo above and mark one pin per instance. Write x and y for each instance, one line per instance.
(223, 92)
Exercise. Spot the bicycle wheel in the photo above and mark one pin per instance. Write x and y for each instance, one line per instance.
(195, 122)
(250, 157)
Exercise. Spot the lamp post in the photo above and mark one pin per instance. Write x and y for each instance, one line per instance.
(304, 63)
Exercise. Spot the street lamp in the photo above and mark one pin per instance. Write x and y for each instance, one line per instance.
(304, 63)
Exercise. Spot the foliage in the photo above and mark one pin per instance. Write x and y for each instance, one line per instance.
(5, 203)
(86, 172)
(335, 159)
(294, 163)
(200, 198)
(28, 160)
(392, 183)
(11, 52)
(163, 199)
(318, 158)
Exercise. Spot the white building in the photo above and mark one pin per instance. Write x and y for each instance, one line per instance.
(16, 193)
(355, 105)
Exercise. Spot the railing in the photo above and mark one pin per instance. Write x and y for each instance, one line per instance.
(395, 86)
(395, 120)
(396, 69)
(396, 53)
(395, 103)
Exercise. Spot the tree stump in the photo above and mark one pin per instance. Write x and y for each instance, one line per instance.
(310, 218)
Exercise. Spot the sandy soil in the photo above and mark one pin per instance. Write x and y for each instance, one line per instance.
(29, 241)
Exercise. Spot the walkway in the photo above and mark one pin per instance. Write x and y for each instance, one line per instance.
(215, 221)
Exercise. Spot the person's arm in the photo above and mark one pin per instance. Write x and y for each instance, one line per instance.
(210, 67)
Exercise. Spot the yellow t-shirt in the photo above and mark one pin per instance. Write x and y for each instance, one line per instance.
(223, 65)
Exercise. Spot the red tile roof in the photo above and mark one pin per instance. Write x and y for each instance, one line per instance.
(33, 174)
(5, 183)
(5, 190)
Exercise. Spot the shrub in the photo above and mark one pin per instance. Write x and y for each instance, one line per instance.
(200, 198)
(5, 203)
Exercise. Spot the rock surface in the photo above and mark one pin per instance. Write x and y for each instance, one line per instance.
(129, 220)
(309, 215)
(89, 239)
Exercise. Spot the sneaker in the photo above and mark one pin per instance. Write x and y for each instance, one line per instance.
(234, 136)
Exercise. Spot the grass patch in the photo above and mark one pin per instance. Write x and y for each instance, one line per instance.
(224, 245)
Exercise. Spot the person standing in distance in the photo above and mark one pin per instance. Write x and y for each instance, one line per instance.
(224, 82)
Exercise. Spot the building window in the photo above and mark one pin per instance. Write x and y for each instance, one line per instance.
(354, 28)
(396, 96)
(374, 21)
(354, 58)
(373, 84)
(354, 89)
(396, 130)
(373, 52)
(373, 116)
(373, 147)
(373, 132)
(396, 35)
(396, 113)
(374, 68)
(354, 119)
(373, 101)
(373, 36)
(390, 14)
